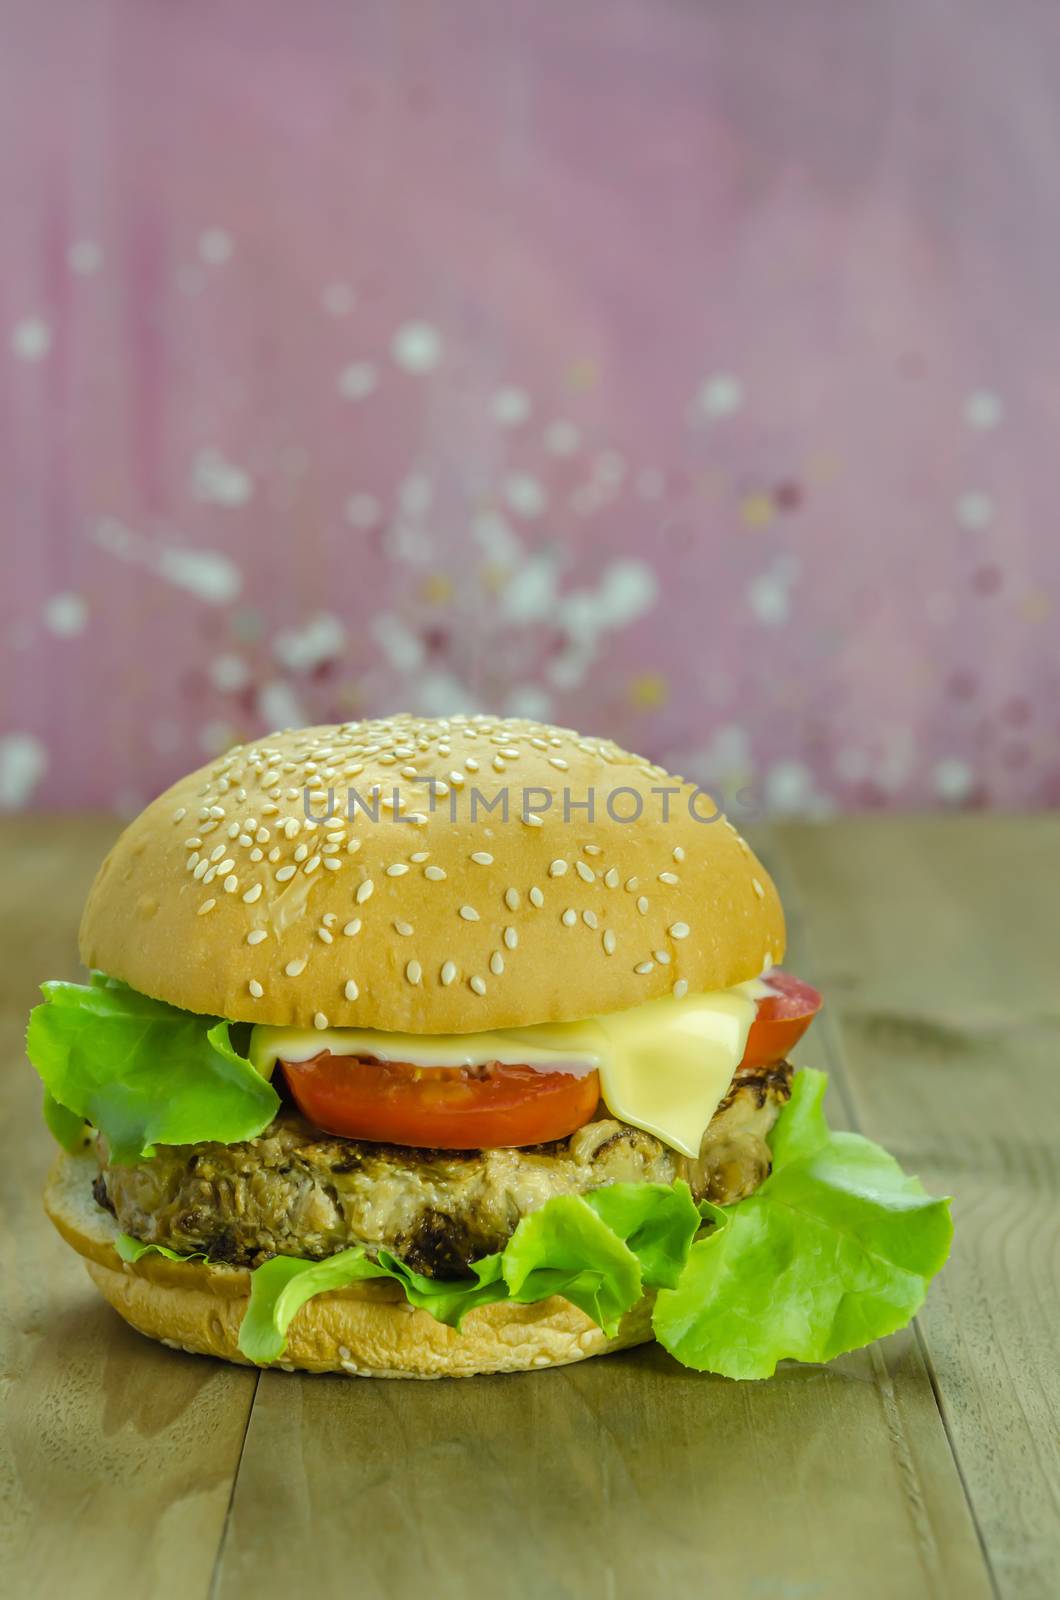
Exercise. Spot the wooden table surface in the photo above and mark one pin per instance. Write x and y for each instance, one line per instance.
(928, 1465)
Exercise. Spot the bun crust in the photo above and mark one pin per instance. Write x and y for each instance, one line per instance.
(367, 1330)
(222, 899)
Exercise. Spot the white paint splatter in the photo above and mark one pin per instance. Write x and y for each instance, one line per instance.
(530, 593)
(279, 706)
(953, 779)
(529, 700)
(983, 409)
(84, 257)
(974, 510)
(229, 673)
(769, 594)
(511, 407)
(23, 763)
(31, 339)
(219, 482)
(320, 639)
(338, 299)
(627, 590)
(497, 538)
(562, 438)
(205, 573)
(719, 395)
(402, 648)
(66, 614)
(415, 494)
(215, 246)
(363, 510)
(216, 737)
(525, 494)
(358, 380)
(417, 347)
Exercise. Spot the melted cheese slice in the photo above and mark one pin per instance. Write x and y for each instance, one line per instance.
(664, 1066)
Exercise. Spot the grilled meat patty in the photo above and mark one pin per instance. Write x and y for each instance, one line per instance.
(297, 1191)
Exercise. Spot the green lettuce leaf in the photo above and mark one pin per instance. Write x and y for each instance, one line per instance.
(834, 1250)
(65, 1127)
(132, 1250)
(141, 1071)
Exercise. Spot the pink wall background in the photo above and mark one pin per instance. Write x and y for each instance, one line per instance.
(685, 372)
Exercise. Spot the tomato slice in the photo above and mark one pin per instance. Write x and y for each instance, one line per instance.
(447, 1108)
(781, 1020)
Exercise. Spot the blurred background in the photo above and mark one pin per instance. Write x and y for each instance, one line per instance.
(683, 371)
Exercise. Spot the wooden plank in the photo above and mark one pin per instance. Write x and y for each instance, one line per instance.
(936, 943)
(622, 1476)
(118, 1455)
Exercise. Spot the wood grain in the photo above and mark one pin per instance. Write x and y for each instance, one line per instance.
(936, 942)
(118, 1455)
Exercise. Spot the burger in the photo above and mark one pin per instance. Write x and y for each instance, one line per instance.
(424, 1047)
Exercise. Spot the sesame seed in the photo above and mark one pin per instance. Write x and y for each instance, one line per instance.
(632, 883)
(569, 917)
(511, 899)
(294, 969)
(496, 963)
(558, 761)
(256, 935)
(397, 869)
(680, 988)
(532, 820)
(478, 984)
(498, 764)
(217, 852)
(585, 872)
(448, 972)
(325, 935)
(192, 861)
(662, 957)
(643, 967)
(351, 990)
(536, 897)
(353, 846)
(668, 877)
(414, 972)
(511, 938)
(257, 855)
(364, 891)
(679, 930)
(679, 854)
(180, 813)
(216, 811)
(274, 855)
(245, 840)
(209, 875)
(404, 928)
(329, 919)
(285, 873)
(207, 905)
(231, 883)
(436, 874)
(352, 927)
(419, 855)
(320, 1020)
(233, 830)
(301, 852)
(557, 869)
(482, 857)
(611, 877)
(331, 863)
(312, 864)
(593, 849)
(469, 913)
(193, 843)
(757, 887)
(642, 904)
(255, 988)
(609, 941)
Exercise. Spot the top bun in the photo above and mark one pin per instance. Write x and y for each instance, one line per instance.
(223, 899)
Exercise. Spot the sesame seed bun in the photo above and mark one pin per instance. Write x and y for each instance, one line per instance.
(223, 899)
(367, 1330)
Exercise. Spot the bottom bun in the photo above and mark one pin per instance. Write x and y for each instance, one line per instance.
(368, 1330)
